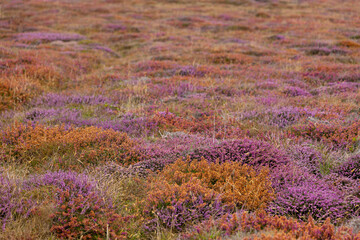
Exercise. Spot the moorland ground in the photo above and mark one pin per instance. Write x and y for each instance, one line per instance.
(178, 119)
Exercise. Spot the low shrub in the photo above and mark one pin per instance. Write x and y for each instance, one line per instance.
(351, 168)
(247, 151)
(264, 226)
(238, 185)
(74, 147)
(178, 206)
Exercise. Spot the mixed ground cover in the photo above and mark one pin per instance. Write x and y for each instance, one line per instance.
(179, 119)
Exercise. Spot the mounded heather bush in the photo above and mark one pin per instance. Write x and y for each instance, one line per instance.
(63, 180)
(313, 198)
(86, 218)
(300, 194)
(306, 157)
(238, 185)
(350, 187)
(129, 123)
(252, 152)
(81, 210)
(289, 174)
(338, 87)
(286, 116)
(351, 168)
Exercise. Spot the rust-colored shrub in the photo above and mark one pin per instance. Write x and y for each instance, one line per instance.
(238, 184)
(336, 135)
(13, 92)
(349, 44)
(229, 58)
(263, 226)
(75, 147)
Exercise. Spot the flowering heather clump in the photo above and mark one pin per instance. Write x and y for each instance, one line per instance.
(300, 194)
(238, 185)
(288, 175)
(340, 87)
(252, 152)
(263, 226)
(47, 37)
(351, 168)
(63, 180)
(57, 100)
(177, 206)
(350, 187)
(37, 114)
(86, 218)
(81, 209)
(90, 145)
(349, 77)
(314, 199)
(12, 202)
(129, 123)
(286, 116)
(306, 157)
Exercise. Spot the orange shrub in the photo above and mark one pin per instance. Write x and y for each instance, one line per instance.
(75, 146)
(238, 184)
(334, 134)
(229, 58)
(349, 44)
(13, 92)
(260, 225)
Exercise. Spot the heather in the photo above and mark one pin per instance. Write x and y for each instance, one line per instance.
(238, 185)
(350, 168)
(247, 151)
(47, 37)
(12, 204)
(210, 119)
(67, 148)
